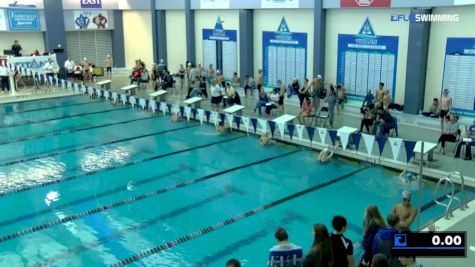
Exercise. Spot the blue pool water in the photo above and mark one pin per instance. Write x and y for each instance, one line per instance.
(68, 164)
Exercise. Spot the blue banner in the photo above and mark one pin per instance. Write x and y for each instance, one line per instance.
(364, 60)
(24, 20)
(459, 75)
(284, 56)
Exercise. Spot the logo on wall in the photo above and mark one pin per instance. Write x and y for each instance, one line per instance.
(22, 3)
(365, 3)
(283, 27)
(83, 20)
(91, 3)
(366, 29)
(24, 20)
(218, 27)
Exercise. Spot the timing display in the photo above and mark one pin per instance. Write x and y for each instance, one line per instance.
(442, 244)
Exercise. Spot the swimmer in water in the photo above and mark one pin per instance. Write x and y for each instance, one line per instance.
(222, 128)
(326, 154)
(265, 139)
(408, 177)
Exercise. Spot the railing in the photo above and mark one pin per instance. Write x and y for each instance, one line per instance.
(449, 189)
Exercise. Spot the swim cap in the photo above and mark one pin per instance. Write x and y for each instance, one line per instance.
(406, 194)
(446, 91)
(409, 176)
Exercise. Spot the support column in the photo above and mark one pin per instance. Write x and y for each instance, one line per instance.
(319, 21)
(190, 32)
(246, 43)
(118, 48)
(159, 34)
(55, 34)
(416, 67)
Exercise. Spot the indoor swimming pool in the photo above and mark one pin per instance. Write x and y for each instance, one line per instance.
(86, 183)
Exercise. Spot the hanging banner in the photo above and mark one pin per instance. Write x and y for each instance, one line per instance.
(284, 55)
(409, 145)
(245, 121)
(230, 118)
(290, 129)
(254, 124)
(322, 132)
(365, 3)
(3, 20)
(356, 140)
(333, 134)
(220, 49)
(237, 119)
(272, 128)
(369, 141)
(91, 20)
(279, 3)
(311, 133)
(381, 140)
(188, 113)
(18, 3)
(300, 131)
(35, 64)
(395, 146)
(214, 4)
(24, 20)
(201, 115)
(344, 137)
(281, 127)
(263, 125)
(364, 60)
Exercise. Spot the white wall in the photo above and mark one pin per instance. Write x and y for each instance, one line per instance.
(29, 41)
(176, 39)
(205, 19)
(138, 37)
(298, 21)
(439, 32)
(349, 21)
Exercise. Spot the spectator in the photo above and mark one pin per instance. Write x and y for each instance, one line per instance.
(236, 80)
(342, 247)
(50, 70)
(433, 109)
(281, 96)
(369, 116)
(373, 222)
(18, 79)
(4, 80)
(304, 92)
(196, 91)
(341, 92)
(16, 48)
(274, 98)
(383, 123)
(331, 100)
(234, 98)
(468, 144)
(405, 212)
(450, 133)
(445, 107)
(384, 240)
(294, 88)
(249, 84)
(35, 53)
(263, 100)
(380, 94)
(136, 76)
(368, 101)
(211, 73)
(109, 63)
(320, 253)
(145, 78)
(317, 92)
(379, 260)
(216, 95)
(259, 80)
(78, 72)
(181, 76)
(167, 81)
(409, 262)
(306, 110)
(233, 263)
(284, 253)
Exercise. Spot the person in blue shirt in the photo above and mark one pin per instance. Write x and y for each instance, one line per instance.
(384, 239)
(284, 253)
(368, 101)
(468, 142)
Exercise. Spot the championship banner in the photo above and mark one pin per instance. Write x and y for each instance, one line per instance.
(3, 20)
(24, 20)
(365, 3)
(35, 64)
(91, 20)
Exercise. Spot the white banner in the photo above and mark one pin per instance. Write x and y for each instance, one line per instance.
(201, 115)
(369, 142)
(35, 64)
(188, 113)
(263, 124)
(395, 146)
(214, 118)
(163, 107)
(281, 127)
(300, 129)
(245, 122)
(322, 132)
(230, 118)
(18, 3)
(279, 3)
(91, 20)
(344, 137)
(214, 4)
(3, 20)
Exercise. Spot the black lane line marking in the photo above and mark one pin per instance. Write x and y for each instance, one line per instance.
(130, 200)
(180, 168)
(59, 118)
(110, 168)
(85, 147)
(174, 213)
(53, 107)
(211, 228)
(66, 131)
(40, 99)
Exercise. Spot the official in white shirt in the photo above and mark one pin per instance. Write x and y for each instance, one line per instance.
(4, 73)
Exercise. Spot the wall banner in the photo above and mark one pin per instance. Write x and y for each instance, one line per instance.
(91, 20)
(35, 64)
(284, 55)
(214, 4)
(365, 3)
(279, 3)
(18, 3)
(220, 49)
(3, 20)
(91, 3)
(365, 59)
(24, 20)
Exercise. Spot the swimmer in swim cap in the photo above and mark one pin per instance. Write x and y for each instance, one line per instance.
(408, 177)
(326, 154)
(405, 211)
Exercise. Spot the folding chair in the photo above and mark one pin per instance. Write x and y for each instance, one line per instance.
(323, 116)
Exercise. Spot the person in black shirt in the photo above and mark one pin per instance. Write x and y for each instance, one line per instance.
(342, 247)
(16, 48)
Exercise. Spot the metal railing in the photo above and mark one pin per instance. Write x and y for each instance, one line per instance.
(449, 189)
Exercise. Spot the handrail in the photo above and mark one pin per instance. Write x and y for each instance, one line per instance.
(450, 195)
(464, 203)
